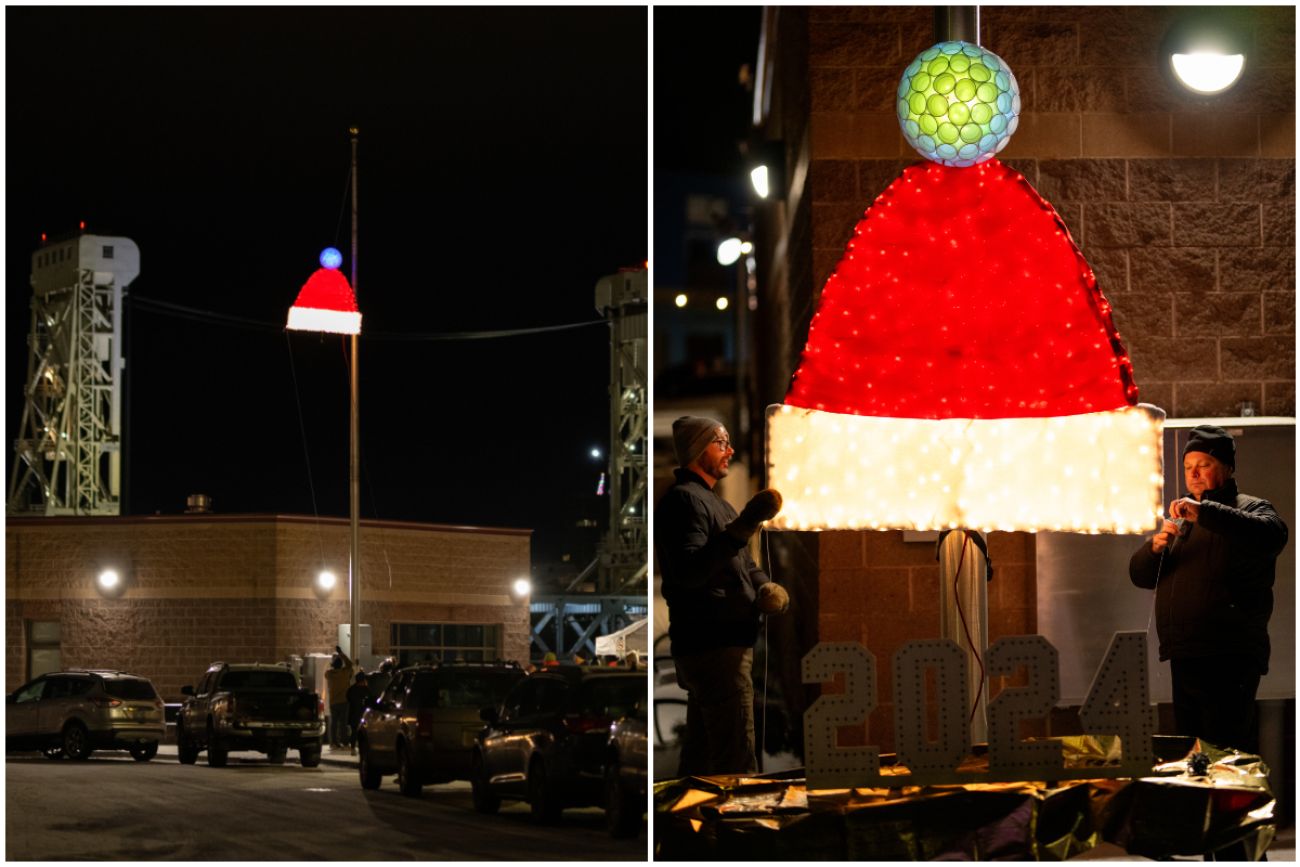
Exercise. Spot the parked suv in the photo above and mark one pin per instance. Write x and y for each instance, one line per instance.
(549, 742)
(424, 725)
(73, 713)
(249, 707)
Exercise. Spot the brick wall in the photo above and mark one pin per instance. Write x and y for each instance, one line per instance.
(239, 588)
(1184, 208)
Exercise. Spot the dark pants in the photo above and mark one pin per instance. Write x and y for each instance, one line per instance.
(339, 724)
(1214, 699)
(719, 712)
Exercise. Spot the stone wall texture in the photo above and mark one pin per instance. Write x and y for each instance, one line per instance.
(240, 588)
(1184, 207)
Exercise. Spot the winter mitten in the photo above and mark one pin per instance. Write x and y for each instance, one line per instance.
(763, 506)
(772, 598)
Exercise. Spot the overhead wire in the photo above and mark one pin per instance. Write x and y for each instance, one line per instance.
(311, 484)
(180, 311)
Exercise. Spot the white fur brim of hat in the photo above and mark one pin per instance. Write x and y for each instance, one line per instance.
(1098, 472)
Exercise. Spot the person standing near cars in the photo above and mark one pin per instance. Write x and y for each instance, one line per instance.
(358, 695)
(716, 597)
(337, 682)
(1212, 566)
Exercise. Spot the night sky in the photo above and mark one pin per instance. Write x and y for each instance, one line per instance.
(502, 173)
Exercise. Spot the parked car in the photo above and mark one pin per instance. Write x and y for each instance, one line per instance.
(625, 774)
(549, 741)
(249, 707)
(424, 725)
(73, 713)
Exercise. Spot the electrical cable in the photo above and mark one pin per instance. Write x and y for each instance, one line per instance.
(194, 314)
(979, 692)
(302, 425)
(767, 647)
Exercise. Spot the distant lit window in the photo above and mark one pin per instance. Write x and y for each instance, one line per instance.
(445, 642)
(108, 252)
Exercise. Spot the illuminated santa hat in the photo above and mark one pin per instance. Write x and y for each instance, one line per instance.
(963, 370)
(326, 301)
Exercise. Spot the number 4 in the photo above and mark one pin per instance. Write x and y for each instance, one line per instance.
(1119, 701)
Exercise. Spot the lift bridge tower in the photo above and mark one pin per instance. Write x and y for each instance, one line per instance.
(67, 455)
(568, 623)
(622, 300)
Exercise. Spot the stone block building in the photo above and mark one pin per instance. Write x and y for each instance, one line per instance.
(241, 588)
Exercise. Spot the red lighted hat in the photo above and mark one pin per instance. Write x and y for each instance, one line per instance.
(963, 370)
(326, 302)
(962, 295)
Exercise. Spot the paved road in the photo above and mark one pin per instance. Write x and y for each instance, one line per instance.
(113, 808)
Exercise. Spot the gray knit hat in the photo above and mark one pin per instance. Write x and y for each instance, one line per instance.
(1214, 441)
(692, 435)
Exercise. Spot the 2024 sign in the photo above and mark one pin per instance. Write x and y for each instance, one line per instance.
(1117, 704)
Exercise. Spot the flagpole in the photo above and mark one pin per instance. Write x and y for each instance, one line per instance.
(354, 469)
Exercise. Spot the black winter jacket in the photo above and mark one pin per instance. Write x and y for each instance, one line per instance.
(1214, 589)
(709, 581)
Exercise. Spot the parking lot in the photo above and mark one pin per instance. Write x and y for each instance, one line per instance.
(114, 808)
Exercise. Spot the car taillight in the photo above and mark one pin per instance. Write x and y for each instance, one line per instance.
(578, 723)
(320, 707)
(105, 701)
(424, 723)
(158, 704)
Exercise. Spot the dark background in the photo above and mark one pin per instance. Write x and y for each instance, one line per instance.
(502, 173)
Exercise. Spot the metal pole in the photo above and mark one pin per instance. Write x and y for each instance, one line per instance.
(959, 23)
(354, 469)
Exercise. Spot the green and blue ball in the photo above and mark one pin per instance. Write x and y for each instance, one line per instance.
(958, 104)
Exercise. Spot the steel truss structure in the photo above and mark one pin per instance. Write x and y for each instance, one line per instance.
(67, 457)
(568, 624)
(622, 553)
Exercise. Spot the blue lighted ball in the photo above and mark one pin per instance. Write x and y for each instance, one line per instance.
(958, 104)
(330, 258)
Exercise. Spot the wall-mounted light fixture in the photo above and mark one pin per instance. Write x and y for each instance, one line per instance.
(324, 583)
(765, 164)
(110, 582)
(1205, 50)
(522, 587)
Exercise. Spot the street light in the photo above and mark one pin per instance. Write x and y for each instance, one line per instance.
(328, 303)
(729, 251)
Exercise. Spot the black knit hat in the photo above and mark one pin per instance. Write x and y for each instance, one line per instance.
(1214, 441)
(692, 435)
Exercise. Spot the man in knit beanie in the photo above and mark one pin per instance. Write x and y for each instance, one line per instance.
(716, 598)
(1212, 566)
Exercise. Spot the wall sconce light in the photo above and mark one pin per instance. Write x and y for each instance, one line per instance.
(325, 583)
(1205, 51)
(522, 587)
(110, 582)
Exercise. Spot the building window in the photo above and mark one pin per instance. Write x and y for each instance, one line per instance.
(108, 251)
(43, 648)
(445, 642)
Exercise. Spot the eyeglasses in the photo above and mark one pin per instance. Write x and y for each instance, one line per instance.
(722, 441)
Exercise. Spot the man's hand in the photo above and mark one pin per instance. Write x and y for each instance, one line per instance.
(1163, 539)
(763, 506)
(1185, 508)
(772, 598)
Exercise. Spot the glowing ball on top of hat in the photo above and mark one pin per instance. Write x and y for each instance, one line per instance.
(958, 104)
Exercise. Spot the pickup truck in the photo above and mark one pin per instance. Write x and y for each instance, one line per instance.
(249, 707)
